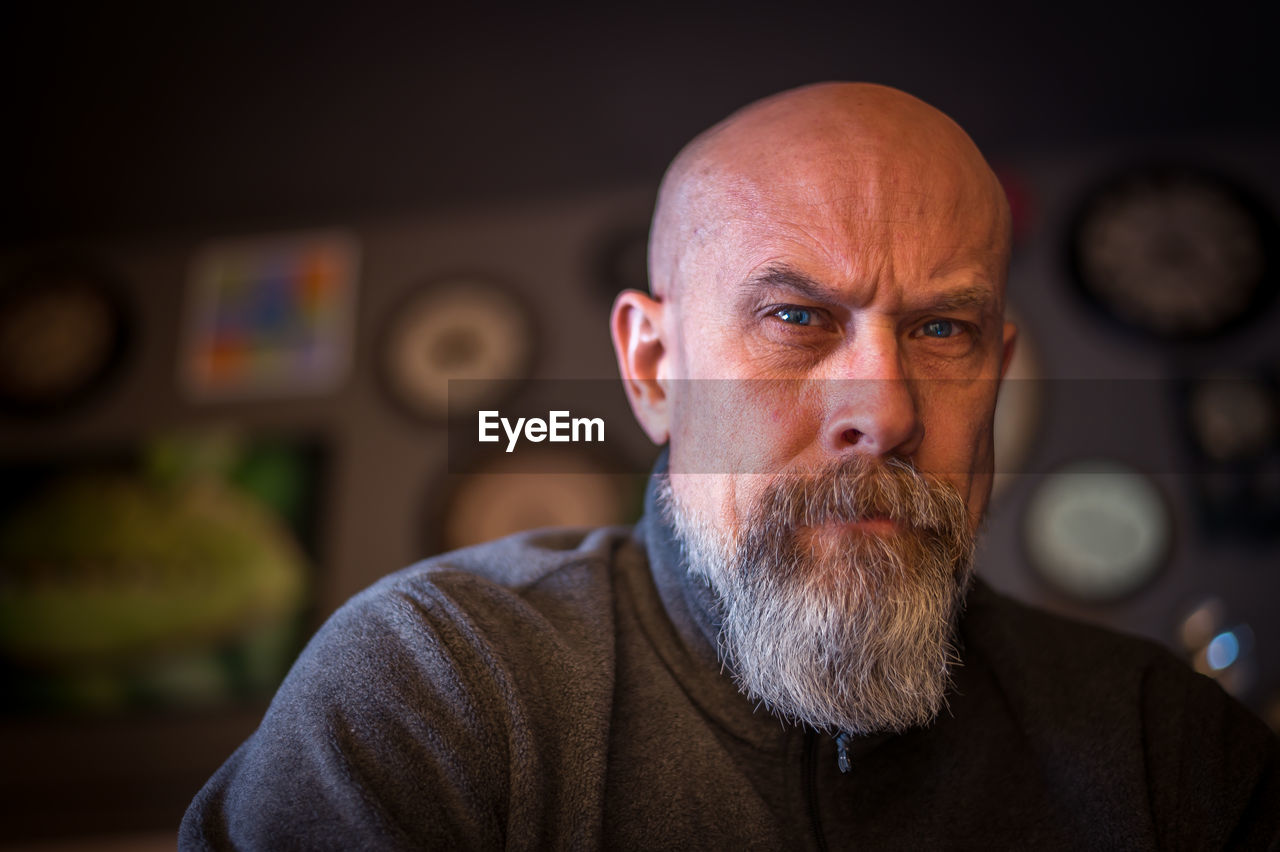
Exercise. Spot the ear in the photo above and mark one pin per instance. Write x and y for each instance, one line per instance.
(636, 325)
(1010, 345)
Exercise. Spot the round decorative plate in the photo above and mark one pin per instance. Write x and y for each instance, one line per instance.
(1174, 252)
(62, 331)
(461, 330)
(1233, 417)
(1098, 531)
(516, 493)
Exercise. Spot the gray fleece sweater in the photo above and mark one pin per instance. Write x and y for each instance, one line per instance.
(560, 690)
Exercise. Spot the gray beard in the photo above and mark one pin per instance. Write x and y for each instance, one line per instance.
(857, 638)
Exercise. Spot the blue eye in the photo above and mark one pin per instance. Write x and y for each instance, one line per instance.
(794, 315)
(938, 328)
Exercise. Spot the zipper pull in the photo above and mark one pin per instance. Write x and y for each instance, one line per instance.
(842, 752)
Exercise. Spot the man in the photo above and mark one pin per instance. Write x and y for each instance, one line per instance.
(789, 650)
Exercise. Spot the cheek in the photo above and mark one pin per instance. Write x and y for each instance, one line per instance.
(780, 423)
(958, 441)
(720, 501)
(958, 419)
(715, 428)
(750, 426)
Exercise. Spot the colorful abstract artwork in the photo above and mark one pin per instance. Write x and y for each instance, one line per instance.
(270, 316)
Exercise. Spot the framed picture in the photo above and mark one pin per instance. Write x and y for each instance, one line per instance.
(271, 316)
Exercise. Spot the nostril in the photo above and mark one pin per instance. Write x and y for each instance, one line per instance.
(851, 436)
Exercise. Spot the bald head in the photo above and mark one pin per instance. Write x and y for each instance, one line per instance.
(851, 150)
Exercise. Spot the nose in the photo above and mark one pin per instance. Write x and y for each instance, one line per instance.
(871, 405)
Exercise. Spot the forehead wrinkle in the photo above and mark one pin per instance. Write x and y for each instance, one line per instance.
(866, 252)
(865, 218)
(858, 159)
(866, 191)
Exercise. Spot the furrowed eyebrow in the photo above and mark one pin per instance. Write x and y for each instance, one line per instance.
(786, 278)
(968, 297)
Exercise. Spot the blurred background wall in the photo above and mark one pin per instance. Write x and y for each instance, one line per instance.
(242, 249)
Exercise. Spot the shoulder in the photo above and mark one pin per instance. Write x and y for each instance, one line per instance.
(435, 704)
(1029, 639)
(1125, 713)
(525, 559)
(556, 578)
(509, 603)
(526, 617)
(1063, 663)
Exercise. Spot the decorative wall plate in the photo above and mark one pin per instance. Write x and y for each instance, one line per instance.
(1232, 420)
(515, 493)
(1097, 531)
(62, 332)
(463, 328)
(1174, 252)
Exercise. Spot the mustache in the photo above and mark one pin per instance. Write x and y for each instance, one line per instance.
(859, 488)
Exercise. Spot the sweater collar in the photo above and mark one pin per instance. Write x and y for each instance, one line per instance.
(687, 639)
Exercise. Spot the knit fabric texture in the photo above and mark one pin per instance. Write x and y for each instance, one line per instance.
(561, 690)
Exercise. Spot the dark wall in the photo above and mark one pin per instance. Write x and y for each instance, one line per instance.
(144, 117)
